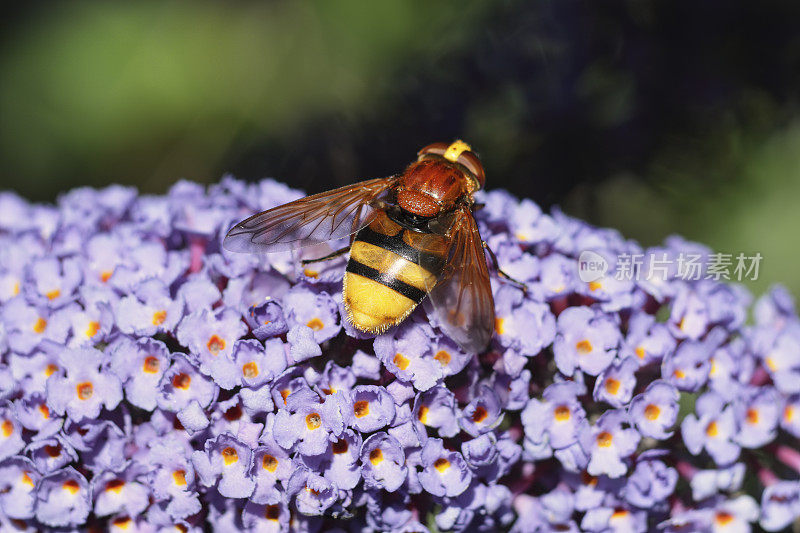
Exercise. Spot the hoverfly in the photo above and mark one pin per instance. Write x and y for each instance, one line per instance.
(411, 235)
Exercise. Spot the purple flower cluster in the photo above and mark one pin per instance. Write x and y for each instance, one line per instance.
(151, 380)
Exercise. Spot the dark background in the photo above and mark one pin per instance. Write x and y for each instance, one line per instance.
(652, 117)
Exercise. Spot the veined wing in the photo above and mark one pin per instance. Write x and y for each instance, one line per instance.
(462, 296)
(311, 220)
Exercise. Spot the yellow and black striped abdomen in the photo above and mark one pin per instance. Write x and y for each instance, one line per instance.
(386, 276)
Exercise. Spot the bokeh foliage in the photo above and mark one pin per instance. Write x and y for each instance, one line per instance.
(654, 117)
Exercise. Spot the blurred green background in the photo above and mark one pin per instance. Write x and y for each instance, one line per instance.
(654, 117)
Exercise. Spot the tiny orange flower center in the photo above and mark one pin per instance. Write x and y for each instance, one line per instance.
(159, 317)
(179, 477)
(400, 361)
(229, 455)
(151, 364)
(26, 479)
(52, 295)
(181, 381)
(272, 512)
(115, 485)
(313, 421)
(53, 451)
(612, 386)
(376, 456)
(712, 430)
(105, 275)
(310, 273)
(441, 464)
(340, 446)
(269, 463)
(678, 373)
(499, 325)
(85, 390)
(71, 486)
(594, 285)
(285, 394)
(619, 514)
(422, 416)
(49, 369)
(480, 414)
(122, 522)
(361, 408)
(752, 416)
(584, 347)
(640, 353)
(588, 479)
(92, 329)
(723, 518)
(771, 364)
(250, 370)
(652, 411)
(788, 413)
(316, 324)
(562, 413)
(443, 357)
(605, 439)
(44, 410)
(8, 428)
(215, 344)
(40, 325)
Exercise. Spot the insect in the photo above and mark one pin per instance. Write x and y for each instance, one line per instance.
(412, 235)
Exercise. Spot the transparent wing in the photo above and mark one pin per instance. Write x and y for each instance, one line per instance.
(311, 220)
(462, 296)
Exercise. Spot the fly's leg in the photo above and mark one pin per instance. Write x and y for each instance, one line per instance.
(500, 271)
(332, 255)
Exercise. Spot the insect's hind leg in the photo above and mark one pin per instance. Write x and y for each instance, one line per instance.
(332, 255)
(500, 272)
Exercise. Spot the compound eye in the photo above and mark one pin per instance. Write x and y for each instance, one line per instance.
(433, 149)
(471, 162)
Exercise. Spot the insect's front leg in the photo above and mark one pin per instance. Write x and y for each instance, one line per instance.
(332, 255)
(500, 272)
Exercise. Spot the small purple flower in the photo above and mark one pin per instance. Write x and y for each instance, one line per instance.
(655, 410)
(316, 311)
(651, 482)
(182, 384)
(483, 413)
(51, 454)
(309, 422)
(266, 518)
(173, 478)
(435, 408)
(373, 408)
(713, 428)
(406, 353)
(151, 310)
(120, 492)
(313, 493)
(586, 339)
(521, 324)
(11, 440)
(757, 410)
(689, 365)
(81, 389)
(384, 462)
(267, 320)
(557, 419)
(271, 464)
(226, 463)
(445, 473)
(140, 364)
(616, 383)
(18, 480)
(339, 464)
(210, 338)
(609, 444)
(63, 498)
(259, 364)
(782, 361)
(707, 483)
(780, 505)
